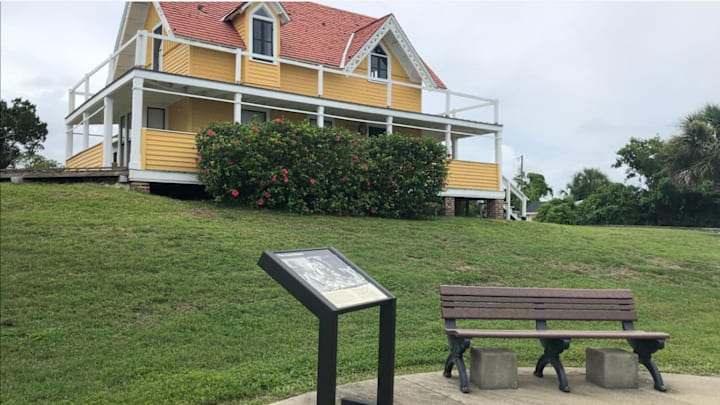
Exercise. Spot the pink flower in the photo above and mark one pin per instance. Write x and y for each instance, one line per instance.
(312, 181)
(337, 138)
(273, 179)
(262, 186)
(277, 142)
(365, 166)
(199, 158)
(444, 185)
(235, 193)
(284, 171)
(255, 129)
(369, 183)
(261, 202)
(236, 143)
(268, 195)
(278, 120)
(210, 132)
(373, 210)
(355, 156)
(293, 142)
(285, 180)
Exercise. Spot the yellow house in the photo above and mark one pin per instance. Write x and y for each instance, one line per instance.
(179, 65)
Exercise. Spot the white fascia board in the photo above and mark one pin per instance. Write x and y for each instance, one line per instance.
(157, 176)
(163, 19)
(275, 5)
(474, 194)
(404, 45)
(97, 100)
(347, 48)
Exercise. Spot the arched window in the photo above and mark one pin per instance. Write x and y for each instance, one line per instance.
(263, 34)
(378, 63)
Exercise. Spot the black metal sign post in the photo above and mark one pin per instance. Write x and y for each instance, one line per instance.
(328, 284)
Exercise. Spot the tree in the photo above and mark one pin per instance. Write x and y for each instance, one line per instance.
(30, 160)
(20, 130)
(559, 211)
(615, 204)
(585, 182)
(644, 159)
(536, 187)
(693, 157)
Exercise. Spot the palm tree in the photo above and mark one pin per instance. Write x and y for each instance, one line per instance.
(693, 157)
(585, 182)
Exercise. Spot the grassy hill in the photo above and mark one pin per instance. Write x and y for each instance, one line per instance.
(111, 296)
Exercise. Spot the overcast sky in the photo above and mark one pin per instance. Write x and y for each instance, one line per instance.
(575, 80)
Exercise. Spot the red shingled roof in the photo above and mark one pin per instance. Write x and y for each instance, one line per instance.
(316, 33)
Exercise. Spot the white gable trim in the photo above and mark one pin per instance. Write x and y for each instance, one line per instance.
(163, 19)
(276, 7)
(403, 45)
(347, 48)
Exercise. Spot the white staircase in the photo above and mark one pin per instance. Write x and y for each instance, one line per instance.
(511, 188)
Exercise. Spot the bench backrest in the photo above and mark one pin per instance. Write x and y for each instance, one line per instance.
(467, 302)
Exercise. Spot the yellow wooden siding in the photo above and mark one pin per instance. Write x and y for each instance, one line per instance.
(150, 22)
(205, 111)
(90, 158)
(176, 58)
(213, 65)
(473, 175)
(412, 132)
(262, 73)
(240, 24)
(180, 116)
(168, 151)
(406, 98)
(299, 80)
(289, 116)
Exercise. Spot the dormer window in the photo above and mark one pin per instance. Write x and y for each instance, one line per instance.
(378, 63)
(263, 35)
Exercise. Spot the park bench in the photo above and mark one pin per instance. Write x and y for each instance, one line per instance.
(542, 305)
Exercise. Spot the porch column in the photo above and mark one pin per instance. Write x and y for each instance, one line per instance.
(68, 141)
(508, 208)
(321, 116)
(498, 156)
(448, 141)
(141, 49)
(136, 126)
(321, 85)
(107, 138)
(237, 108)
(86, 131)
(389, 124)
(454, 146)
(238, 66)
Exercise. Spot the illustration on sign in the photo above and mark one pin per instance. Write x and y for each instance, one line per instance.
(330, 276)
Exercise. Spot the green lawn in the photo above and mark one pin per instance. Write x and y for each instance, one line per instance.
(111, 296)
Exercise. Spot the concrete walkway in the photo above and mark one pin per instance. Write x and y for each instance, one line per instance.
(433, 388)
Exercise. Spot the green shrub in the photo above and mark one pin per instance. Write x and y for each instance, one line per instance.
(559, 211)
(306, 169)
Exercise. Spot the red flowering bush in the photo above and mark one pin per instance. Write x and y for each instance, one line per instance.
(307, 169)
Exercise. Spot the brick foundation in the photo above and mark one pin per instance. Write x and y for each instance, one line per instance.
(449, 206)
(140, 187)
(495, 209)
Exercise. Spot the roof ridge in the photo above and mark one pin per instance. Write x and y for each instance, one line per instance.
(373, 22)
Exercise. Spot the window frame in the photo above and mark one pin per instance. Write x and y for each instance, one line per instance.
(384, 55)
(256, 15)
(157, 53)
(266, 113)
(164, 118)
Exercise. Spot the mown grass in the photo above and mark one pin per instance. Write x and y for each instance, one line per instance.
(110, 296)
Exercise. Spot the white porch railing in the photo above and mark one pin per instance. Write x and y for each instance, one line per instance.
(85, 89)
(511, 188)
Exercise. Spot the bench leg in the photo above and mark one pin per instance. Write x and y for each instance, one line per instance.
(457, 348)
(552, 349)
(644, 349)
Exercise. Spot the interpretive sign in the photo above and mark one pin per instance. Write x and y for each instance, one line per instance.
(325, 272)
(329, 284)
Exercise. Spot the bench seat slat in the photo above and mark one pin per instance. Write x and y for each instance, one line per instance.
(468, 298)
(540, 314)
(533, 292)
(538, 305)
(555, 334)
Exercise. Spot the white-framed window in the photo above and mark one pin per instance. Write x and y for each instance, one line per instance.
(328, 122)
(248, 116)
(156, 118)
(379, 64)
(157, 49)
(262, 35)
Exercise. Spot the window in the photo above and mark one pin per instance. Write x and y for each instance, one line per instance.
(248, 116)
(262, 34)
(378, 63)
(327, 122)
(376, 131)
(157, 50)
(156, 118)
